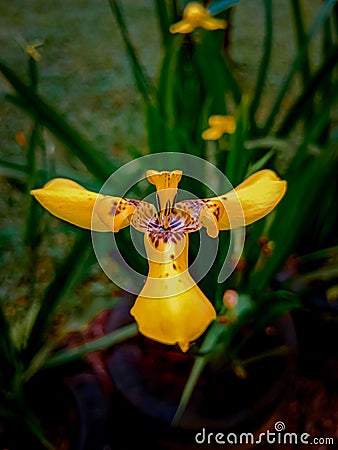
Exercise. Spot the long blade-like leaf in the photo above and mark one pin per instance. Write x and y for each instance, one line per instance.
(297, 63)
(74, 353)
(303, 101)
(265, 61)
(141, 77)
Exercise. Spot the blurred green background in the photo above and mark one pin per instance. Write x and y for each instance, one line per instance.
(85, 75)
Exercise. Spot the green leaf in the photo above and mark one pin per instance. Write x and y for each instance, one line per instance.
(213, 68)
(264, 62)
(238, 157)
(8, 354)
(74, 353)
(141, 77)
(195, 373)
(14, 170)
(34, 213)
(168, 80)
(307, 181)
(210, 340)
(301, 37)
(156, 129)
(297, 63)
(273, 306)
(261, 163)
(304, 101)
(164, 20)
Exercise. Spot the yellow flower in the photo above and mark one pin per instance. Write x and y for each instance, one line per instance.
(170, 307)
(31, 49)
(194, 16)
(218, 125)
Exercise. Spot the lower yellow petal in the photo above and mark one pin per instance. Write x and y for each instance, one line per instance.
(253, 199)
(171, 308)
(173, 320)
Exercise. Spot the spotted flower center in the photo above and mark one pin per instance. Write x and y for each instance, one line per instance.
(168, 224)
(168, 227)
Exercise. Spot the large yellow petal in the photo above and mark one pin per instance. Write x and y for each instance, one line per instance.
(171, 308)
(174, 320)
(183, 27)
(73, 203)
(213, 133)
(195, 15)
(210, 23)
(253, 199)
(227, 123)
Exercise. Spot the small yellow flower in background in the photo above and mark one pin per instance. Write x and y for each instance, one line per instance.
(194, 16)
(218, 125)
(170, 308)
(31, 49)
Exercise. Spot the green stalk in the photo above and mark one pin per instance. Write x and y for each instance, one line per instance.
(163, 20)
(74, 353)
(231, 82)
(304, 100)
(8, 353)
(141, 77)
(167, 94)
(297, 62)
(238, 155)
(31, 235)
(209, 342)
(327, 90)
(199, 365)
(301, 39)
(264, 64)
(32, 231)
